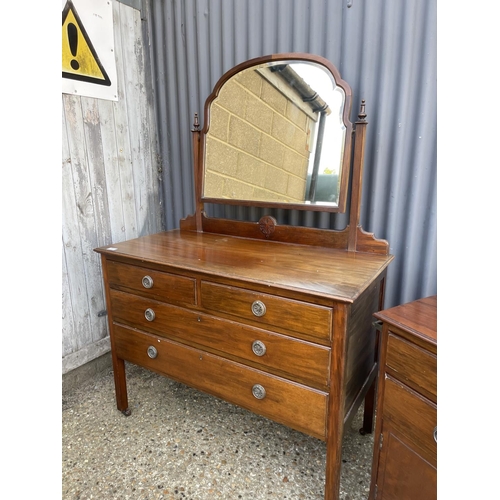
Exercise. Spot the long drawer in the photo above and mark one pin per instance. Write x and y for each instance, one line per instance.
(306, 320)
(302, 360)
(289, 403)
(158, 285)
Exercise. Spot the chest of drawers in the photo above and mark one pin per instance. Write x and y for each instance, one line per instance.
(405, 450)
(284, 331)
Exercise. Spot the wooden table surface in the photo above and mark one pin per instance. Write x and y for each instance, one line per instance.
(419, 317)
(330, 273)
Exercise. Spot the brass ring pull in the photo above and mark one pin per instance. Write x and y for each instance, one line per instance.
(152, 352)
(149, 314)
(147, 282)
(258, 391)
(258, 308)
(258, 348)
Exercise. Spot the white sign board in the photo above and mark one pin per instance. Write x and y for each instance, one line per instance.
(88, 56)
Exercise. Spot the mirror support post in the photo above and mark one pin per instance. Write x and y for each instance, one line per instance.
(196, 133)
(359, 154)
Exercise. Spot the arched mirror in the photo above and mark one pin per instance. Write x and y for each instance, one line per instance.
(277, 134)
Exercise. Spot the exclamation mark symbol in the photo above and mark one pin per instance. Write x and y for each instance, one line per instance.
(73, 44)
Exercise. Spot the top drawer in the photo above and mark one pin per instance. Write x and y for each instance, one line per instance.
(154, 284)
(306, 320)
(412, 365)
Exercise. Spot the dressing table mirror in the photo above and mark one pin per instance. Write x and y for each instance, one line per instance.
(274, 318)
(275, 134)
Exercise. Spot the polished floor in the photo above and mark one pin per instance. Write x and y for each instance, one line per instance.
(179, 443)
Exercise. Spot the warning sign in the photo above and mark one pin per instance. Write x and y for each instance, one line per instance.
(79, 58)
(88, 64)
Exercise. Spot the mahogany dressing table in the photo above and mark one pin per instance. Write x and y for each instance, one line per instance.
(274, 318)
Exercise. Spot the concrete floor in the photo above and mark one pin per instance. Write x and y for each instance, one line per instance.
(179, 443)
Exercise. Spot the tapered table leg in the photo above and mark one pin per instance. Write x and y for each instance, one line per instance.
(120, 385)
(369, 411)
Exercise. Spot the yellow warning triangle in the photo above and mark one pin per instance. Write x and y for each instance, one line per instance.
(79, 58)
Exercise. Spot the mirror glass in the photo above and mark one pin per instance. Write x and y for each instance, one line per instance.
(276, 135)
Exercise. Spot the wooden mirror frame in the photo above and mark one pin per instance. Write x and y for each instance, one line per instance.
(345, 160)
(352, 238)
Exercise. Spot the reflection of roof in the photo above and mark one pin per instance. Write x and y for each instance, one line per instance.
(302, 87)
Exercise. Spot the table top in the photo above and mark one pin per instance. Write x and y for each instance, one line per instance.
(328, 273)
(418, 317)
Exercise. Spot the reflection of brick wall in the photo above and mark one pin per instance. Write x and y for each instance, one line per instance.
(258, 143)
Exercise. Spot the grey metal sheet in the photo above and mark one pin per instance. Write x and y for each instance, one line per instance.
(385, 49)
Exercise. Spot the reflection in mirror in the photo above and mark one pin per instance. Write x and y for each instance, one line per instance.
(276, 135)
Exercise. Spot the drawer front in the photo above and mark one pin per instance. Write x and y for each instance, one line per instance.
(302, 360)
(305, 320)
(402, 473)
(291, 404)
(413, 416)
(412, 365)
(155, 284)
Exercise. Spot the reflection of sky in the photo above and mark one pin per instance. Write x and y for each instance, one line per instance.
(322, 82)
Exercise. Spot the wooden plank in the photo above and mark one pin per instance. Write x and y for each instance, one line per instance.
(148, 112)
(111, 172)
(85, 354)
(138, 128)
(68, 326)
(68, 322)
(123, 141)
(95, 167)
(74, 193)
(98, 218)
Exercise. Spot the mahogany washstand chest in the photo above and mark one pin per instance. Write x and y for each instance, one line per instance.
(405, 449)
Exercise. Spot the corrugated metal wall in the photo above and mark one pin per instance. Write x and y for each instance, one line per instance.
(386, 51)
(110, 186)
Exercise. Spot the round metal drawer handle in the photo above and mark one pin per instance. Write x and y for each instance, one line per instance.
(258, 391)
(147, 282)
(259, 308)
(149, 314)
(152, 352)
(258, 348)
(435, 434)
